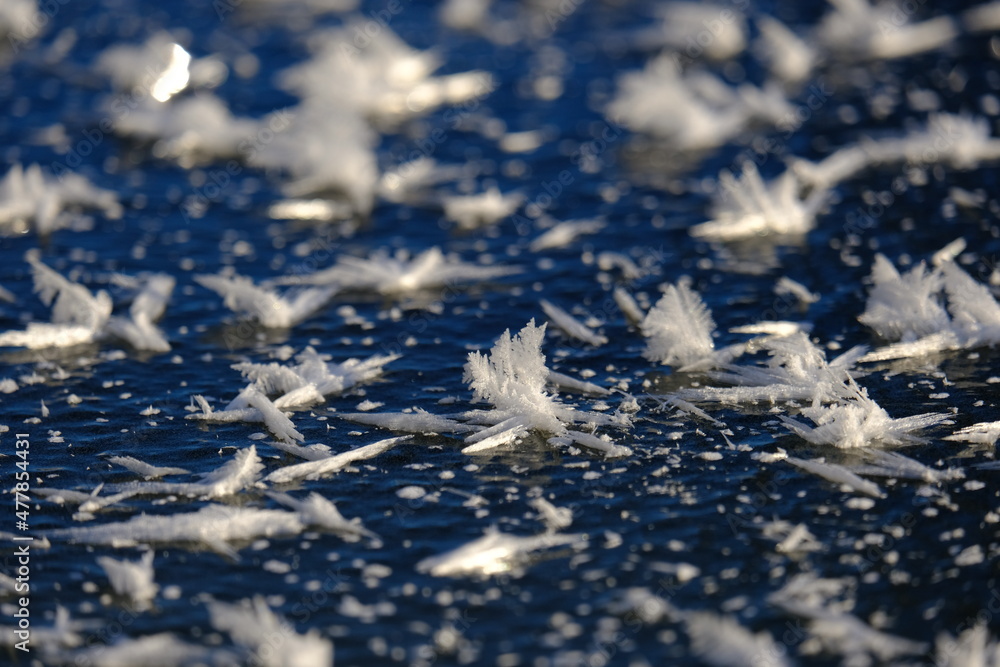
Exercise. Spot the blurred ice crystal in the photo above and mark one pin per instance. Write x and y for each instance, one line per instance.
(790, 58)
(859, 30)
(265, 304)
(957, 141)
(693, 110)
(722, 642)
(304, 152)
(20, 21)
(487, 208)
(269, 639)
(400, 273)
(747, 207)
(494, 553)
(693, 29)
(77, 315)
(926, 311)
(194, 129)
(386, 81)
(132, 579)
(33, 200)
(277, 9)
(160, 68)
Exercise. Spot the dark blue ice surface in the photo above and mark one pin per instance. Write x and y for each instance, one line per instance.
(566, 607)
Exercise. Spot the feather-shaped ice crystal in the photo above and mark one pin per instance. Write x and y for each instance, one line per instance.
(857, 421)
(265, 304)
(512, 377)
(212, 526)
(400, 273)
(796, 369)
(31, 199)
(139, 329)
(77, 315)
(747, 207)
(313, 370)
(679, 328)
(904, 307)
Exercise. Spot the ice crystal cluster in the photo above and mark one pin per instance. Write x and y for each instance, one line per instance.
(496, 305)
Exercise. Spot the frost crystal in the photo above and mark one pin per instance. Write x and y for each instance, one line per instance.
(270, 640)
(908, 308)
(747, 207)
(250, 405)
(795, 370)
(30, 199)
(679, 329)
(81, 317)
(312, 371)
(77, 315)
(148, 306)
(330, 464)
(400, 274)
(858, 420)
(494, 553)
(265, 304)
(473, 211)
(571, 326)
(512, 377)
(692, 110)
(904, 307)
(213, 526)
(132, 579)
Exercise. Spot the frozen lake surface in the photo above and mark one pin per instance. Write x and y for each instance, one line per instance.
(273, 234)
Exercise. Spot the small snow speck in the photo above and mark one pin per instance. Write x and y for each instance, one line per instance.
(860, 503)
(711, 456)
(411, 492)
(366, 406)
(970, 556)
(277, 567)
